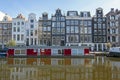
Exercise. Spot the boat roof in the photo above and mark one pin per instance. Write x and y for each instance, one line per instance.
(48, 47)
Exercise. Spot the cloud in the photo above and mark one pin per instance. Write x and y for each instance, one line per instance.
(1, 15)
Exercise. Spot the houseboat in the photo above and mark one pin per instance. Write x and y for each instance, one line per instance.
(47, 51)
(114, 51)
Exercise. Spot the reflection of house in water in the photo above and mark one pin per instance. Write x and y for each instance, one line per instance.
(99, 68)
(115, 68)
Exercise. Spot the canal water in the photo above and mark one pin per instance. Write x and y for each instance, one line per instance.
(99, 68)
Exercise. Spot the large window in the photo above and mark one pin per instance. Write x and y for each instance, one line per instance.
(104, 26)
(22, 37)
(68, 22)
(31, 33)
(22, 23)
(54, 30)
(18, 23)
(14, 29)
(53, 18)
(14, 37)
(76, 22)
(68, 29)
(113, 39)
(44, 28)
(89, 23)
(72, 29)
(89, 30)
(99, 26)
(62, 18)
(35, 32)
(72, 38)
(31, 26)
(18, 29)
(85, 23)
(76, 29)
(53, 24)
(49, 28)
(27, 32)
(62, 30)
(18, 37)
(62, 24)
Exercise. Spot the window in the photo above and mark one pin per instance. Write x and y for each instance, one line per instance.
(14, 29)
(62, 24)
(49, 28)
(68, 29)
(103, 19)
(22, 37)
(72, 22)
(104, 26)
(18, 37)
(14, 37)
(53, 18)
(95, 19)
(76, 22)
(31, 41)
(58, 24)
(35, 41)
(31, 33)
(113, 31)
(22, 23)
(27, 32)
(99, 26)
(89, 30)
(54, 30)
(85, 23)
(95, 39)
(58, 30)
(32, 21)
(54, 24)
(104, 32)
(89, 23)
(62, 30)
(99, 32)
(35, 32)
(31, 26)
(44, 29)
(95, 32)
(72, 29)
(85, 30)
(99, 19)
(14, 23)
(76, 29)
(18, 29)
(18, 23)
(68, 22)
(117, 24)
(95, 26)
(81, 23)
(62, 18)
(113, 39)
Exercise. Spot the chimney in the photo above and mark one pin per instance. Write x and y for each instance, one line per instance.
(116, 10)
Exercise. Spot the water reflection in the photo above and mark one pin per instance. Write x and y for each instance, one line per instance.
(100, 68)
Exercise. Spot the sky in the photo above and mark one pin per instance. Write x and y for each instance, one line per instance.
(14, 7)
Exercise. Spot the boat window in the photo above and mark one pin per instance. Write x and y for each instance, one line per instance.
(74, 51)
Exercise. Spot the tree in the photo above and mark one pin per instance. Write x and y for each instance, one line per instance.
(11, 43)
(108, 45)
